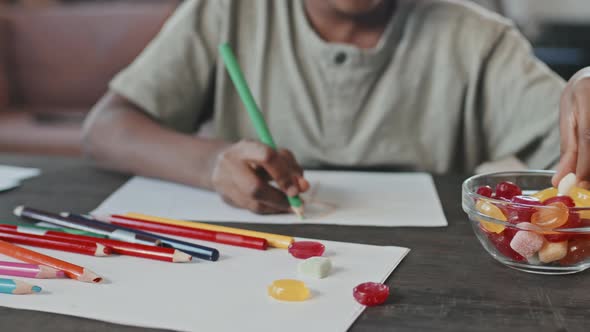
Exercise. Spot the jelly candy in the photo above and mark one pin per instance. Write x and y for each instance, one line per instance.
(485, 191)
(526, 243)
(522, 209)
(582, 199)
(580, 196)
(553, 251)
(491, 211)
(578, 251)
(315, 267)
(502, 243)
(371, 293)
(566, 184)
(553, 217)
(288, 290)
(545, 194)
(566, 200)
(306, 249)
(507, 190)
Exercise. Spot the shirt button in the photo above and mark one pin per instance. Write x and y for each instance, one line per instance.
(340, 58)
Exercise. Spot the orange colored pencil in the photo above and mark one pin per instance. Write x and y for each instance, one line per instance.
(29, 256)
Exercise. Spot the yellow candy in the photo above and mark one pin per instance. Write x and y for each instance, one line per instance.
(288, 290)
(491, 211)
(582, 199)
(545, 194)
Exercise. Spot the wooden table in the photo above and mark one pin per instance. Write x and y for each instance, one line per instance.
(446, 283)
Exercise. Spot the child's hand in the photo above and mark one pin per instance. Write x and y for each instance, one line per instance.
(574, 125)
(242, 175)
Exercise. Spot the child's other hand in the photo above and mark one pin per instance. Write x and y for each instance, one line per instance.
(574, 125)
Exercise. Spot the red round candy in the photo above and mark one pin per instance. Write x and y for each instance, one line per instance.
(566, 200)
(306, 249)
(573, 221)
(371, 293)
(523, 208)
(485, 191)
(502, 243)
(507, 190)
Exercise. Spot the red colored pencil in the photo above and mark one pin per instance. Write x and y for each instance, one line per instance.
(193, 233)
(118, 247)
(75, 246)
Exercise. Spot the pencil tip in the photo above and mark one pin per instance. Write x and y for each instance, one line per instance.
(36, 289)
(299, 212)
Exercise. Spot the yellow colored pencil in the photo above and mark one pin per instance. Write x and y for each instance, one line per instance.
(274, 240)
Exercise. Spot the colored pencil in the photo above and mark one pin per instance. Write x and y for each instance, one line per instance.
(72, 271)
(17, 287)
(236, 75)
(111, 231)
(274, 240)
(41, 241)
(40, 230)
(125, 248)
(25, 270)
(193, 233)
(192, 249)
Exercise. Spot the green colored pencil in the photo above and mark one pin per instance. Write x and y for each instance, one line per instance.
(233, 68)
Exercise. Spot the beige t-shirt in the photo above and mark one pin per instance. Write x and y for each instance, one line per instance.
(449, 85)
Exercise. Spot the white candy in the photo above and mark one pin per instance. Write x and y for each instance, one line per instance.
(566, 184)
(315, 267)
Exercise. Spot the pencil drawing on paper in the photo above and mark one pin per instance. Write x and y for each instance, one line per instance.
(315, 208)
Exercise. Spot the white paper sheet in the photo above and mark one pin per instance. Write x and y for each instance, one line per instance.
(228, 295)
(338, 198)
(11, 176)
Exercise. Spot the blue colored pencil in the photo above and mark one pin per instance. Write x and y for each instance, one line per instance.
(192, 249)
(17, 287)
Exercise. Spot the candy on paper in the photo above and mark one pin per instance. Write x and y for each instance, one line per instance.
(315, 267)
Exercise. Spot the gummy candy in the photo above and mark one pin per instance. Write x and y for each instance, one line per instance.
(554, 217)
(578, 250)
(315, 267)
(582, 199)
(491, 211)
(371, 293)
(485, 191)
(553, 251)
(518, 212)
(502, 243)
(288, 290)
(526, 243)
(306, 249)
(545, 194)
(507, 190)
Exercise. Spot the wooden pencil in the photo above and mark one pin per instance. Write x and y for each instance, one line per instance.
(70, 245)
(17, 287)
(237, 77)
(124, 248)
(71, 270)
(193, 233)
(25, 270)
(274, 240)
(111, 231)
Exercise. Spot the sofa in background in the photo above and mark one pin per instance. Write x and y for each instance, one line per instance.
(55, 64)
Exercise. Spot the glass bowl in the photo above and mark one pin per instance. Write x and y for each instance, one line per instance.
(502, 225)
